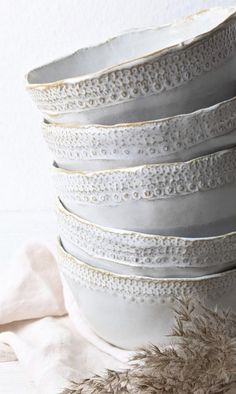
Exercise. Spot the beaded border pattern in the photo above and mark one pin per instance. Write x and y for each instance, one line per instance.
(149, 251)
(150, 139)
(164, 72)
(125, 286)
(148, 182)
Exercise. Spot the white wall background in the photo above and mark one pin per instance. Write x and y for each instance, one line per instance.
(32, 33)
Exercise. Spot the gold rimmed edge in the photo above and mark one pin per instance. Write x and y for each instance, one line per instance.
(197, 279)
(134, 61)
(59, 208)
(136, 168)
(48, 125)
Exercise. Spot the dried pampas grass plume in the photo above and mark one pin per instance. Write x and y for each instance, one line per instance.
(203, 362)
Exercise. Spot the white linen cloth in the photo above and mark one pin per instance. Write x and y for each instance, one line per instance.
(40, 325)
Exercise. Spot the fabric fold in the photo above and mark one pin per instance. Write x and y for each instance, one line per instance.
(53, 347)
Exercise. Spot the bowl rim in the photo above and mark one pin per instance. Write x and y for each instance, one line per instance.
(60, 208)
(62, 253)
(172, 48)
(48, 125)
(88, 174)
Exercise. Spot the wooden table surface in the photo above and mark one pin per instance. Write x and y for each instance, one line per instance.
(13, 379)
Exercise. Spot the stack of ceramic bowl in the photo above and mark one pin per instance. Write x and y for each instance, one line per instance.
(143, 133)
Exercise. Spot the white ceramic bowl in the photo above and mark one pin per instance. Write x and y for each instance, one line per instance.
(180, 138)
(131, 312)
(126, 252)
(193, 199)
(143, 74)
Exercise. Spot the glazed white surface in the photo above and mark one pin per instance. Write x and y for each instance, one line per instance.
(129, 46)
(203, 71)
(142, 254)
(132, 303)
(190, 199)
(179, 138)
(23, 152)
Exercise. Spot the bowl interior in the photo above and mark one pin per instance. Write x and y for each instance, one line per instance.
(129, 46)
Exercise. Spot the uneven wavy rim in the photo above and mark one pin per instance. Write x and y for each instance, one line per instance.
(89, 174)
(60, 209)
(180, 46)
(48, 125)
(63, 254)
